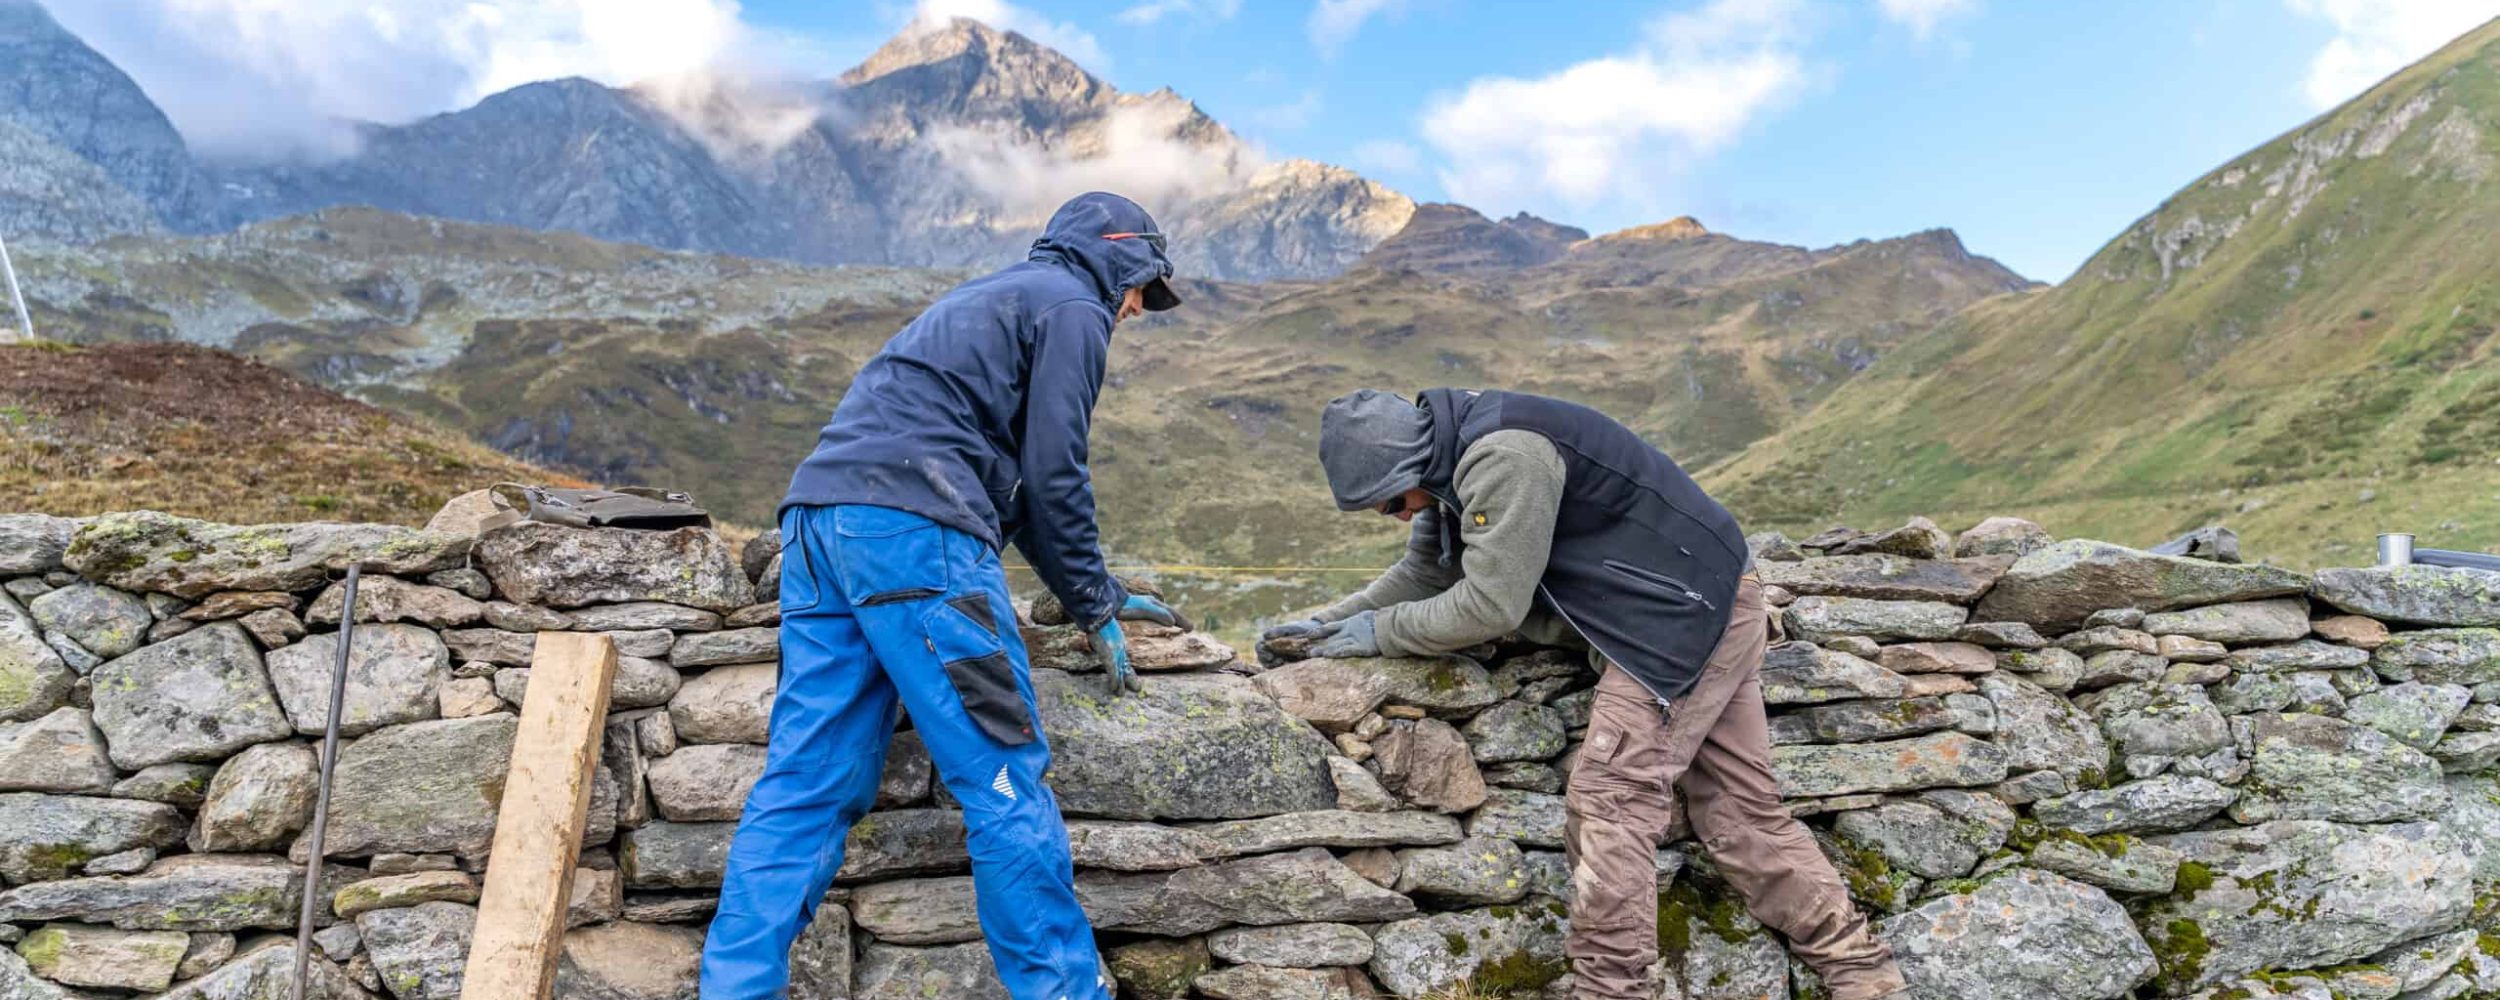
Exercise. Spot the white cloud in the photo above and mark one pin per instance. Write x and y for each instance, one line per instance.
(1155, 11)
(1071, 41)
(1335, 22)
(2377, 37)
(266, 79)
(1388, 156)
(1615, 126)
(1288, 117)
(1138, 153)
(1922, 16)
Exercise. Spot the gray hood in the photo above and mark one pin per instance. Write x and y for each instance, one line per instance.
(1374, 446)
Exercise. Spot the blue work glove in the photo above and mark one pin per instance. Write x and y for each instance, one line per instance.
(1351, 637)
(1293, 630)
(1111, 650)
(1141, 608)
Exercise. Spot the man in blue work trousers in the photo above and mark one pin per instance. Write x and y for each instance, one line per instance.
(966, 432)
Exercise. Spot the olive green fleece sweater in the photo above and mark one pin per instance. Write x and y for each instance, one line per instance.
(1510, 485)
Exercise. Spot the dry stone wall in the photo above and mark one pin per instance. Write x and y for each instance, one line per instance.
(2064, 770)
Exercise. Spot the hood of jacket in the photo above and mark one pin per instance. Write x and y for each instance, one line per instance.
(1103, 237)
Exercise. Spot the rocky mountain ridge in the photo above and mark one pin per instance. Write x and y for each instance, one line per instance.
(945, 148)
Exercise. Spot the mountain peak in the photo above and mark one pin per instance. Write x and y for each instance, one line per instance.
(1682, 227)
(985, 50)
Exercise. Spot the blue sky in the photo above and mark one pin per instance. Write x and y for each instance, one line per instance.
(2036, 128)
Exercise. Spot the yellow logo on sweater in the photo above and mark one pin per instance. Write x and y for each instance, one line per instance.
(1479, 520)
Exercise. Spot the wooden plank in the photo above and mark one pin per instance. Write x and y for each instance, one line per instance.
(538, 827)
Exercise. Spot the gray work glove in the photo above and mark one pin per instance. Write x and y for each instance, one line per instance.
(1293, 630)
(1349, 638)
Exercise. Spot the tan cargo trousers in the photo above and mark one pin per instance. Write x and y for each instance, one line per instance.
(1716, 746)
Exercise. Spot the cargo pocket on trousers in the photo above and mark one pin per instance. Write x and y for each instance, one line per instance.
(982, 673)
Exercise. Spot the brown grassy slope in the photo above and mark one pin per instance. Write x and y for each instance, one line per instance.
(203, 433)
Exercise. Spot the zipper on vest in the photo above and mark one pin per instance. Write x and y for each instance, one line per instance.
(1660, 579)
(1541, 588)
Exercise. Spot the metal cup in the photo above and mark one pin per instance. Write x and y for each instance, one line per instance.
(2395, 548)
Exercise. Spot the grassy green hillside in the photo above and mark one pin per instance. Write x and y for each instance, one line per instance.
(2299, 345)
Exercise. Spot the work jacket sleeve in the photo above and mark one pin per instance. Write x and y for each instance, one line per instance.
(1057, 534)
(1510, 487)
(1418, 575)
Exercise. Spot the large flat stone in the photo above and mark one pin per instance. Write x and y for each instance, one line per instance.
(60, 752)
(2300, 894)
(2040, 731)
(421, 788)
(1413, 957)
(1331, 828)
(1334, 694)
(1887, 577)
(1815, 619)
(258, 799)
(2024, 935)
(2317, 767)
(2420, 595)
(421, 951)
(102, 620)
(49, 836)
(199, 696)
(395, 674)
(2065, 583)
(1189, 746)
(390, 599)
(2161, 804)
(191, 892)
(31, 544)
(560, 567)
(732, 704)
(2467, 656)
(268, 973)
(34, 679)
(1940, 760)
(955, 972)
(2282, 619)
(1801, 673)
(148, 551)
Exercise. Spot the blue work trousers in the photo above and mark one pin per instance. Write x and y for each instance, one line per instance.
(880, 607)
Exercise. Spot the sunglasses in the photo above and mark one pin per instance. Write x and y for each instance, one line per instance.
(1154, 240)
(1394, 506)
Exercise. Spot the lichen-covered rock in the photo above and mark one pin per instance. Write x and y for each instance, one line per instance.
(2306, 654)
(2159, 804)
(1305, 886)
(662, 855)
(146, 550)
(1189, 746)
(199, 696)
(561, 567)
(1533, 819)
(2315, 767)
(1864, 721)
(1941, 760)
(31, 544)
(2412, 713)
(2002, 536)
(2103, 638)
(1471, 872)
(420, 950)
(258, 799)
(1137, 847)
(1159, 968)
(1293, 946)
(60, 752)
(1514, 731)
(2023, 935)
(49, 836)
(268, 973)
(820, 963)
(1521, 947)
(79, 955)
(420, 788)
(1335, 694)
(102, 620)
(903, 842)
(1260, 982)
(2417, 594)
(1882, 577)
(2466, 656)
(2166, 720)
(732, 704)
(2127, 866)
(955, 972)
(34, 679)
(2050, 669)
(1709, 948)
(2302, 894)
(1359, 790)
(190, 892)
(390, 892)
(1801, 673)
(1937, 835)
(705, 783)
(2119, 666)
(184, 785)
(1918, 539)
(395, 674)
(2065, 583)
(1330, 828)
(710, 649)
(630, 961)
(2282, 619)
(1937, 658)
(1815, 619)
(2040, 731)
(390, 599)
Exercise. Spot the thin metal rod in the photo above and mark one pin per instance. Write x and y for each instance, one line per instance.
(321, 801)
(25, 320)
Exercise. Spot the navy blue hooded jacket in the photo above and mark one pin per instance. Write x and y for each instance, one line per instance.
(975, 416)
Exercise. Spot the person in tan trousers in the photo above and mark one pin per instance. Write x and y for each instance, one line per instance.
(1548, 519)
